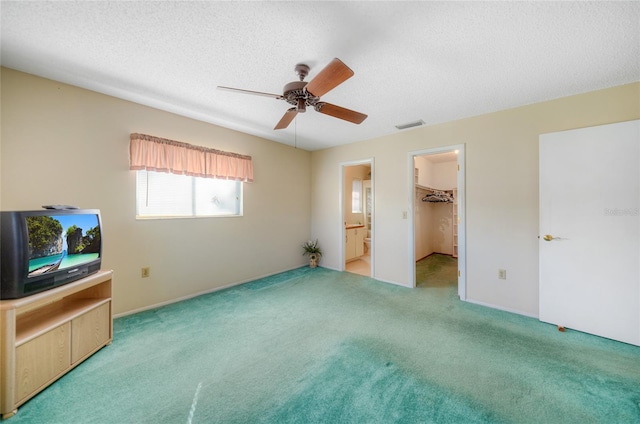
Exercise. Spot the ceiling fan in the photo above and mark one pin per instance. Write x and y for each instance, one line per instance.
(302, 94)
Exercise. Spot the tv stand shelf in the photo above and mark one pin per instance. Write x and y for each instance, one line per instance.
(45, 335)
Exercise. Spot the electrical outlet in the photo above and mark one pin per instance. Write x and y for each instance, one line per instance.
(502, 274)
(145, 272)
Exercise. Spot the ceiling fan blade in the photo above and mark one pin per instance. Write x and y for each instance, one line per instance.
(286, 119)
(340, 112)
(257, 93)
(334, 74)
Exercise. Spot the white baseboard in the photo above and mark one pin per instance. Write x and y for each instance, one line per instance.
(501, 308)
(395, 283)
(330, 267)
(190, 296)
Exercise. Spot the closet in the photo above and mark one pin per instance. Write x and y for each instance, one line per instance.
(436, 220)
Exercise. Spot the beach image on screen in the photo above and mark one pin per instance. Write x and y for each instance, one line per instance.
(62, 241)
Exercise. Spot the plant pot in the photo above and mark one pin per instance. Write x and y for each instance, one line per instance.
(313, 260)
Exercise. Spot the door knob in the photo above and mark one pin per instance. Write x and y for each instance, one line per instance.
(549, 237)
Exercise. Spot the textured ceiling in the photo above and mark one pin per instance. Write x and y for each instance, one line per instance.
(435, 61)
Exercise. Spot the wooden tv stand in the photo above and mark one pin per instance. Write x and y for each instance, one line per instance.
(45, 335)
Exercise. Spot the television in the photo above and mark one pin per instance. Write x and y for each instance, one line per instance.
(43, 249)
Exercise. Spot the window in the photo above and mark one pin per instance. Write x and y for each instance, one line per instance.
(165, 195)
(176, 179)
(356, 196)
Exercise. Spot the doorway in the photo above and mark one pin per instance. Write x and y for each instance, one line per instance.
(437, 230)
(357, 199)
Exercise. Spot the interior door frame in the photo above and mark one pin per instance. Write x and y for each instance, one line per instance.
(343, 231)
(462, 227)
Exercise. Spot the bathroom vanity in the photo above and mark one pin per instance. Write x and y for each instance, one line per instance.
(354, 241)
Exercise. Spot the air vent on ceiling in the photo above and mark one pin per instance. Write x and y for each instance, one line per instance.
(410, 125)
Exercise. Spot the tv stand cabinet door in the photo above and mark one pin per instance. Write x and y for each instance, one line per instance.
(42, 360)
(90, 331)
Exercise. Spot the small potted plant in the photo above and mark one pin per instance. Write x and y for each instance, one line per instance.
(312, 249)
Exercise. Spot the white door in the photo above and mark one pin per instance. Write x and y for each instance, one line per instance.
(590, 230)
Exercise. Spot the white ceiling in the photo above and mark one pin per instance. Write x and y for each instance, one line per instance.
(435, 61)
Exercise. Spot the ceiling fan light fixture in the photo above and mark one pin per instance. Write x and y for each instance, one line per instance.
(410, 124)
(302, 106)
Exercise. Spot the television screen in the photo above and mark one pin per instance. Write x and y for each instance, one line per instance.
(58, 242)
(43, 249)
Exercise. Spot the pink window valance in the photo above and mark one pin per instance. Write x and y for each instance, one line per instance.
(161, 155)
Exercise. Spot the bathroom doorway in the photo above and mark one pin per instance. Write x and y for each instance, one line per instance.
(357, 194)
(437, 230)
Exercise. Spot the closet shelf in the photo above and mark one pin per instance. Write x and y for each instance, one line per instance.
(433, 195)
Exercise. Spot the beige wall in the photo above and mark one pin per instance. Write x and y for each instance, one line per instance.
(501, 152)
(444, 175)
(66, 145)
(62, 144)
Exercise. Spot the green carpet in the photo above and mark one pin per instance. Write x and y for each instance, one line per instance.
(320, 346)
